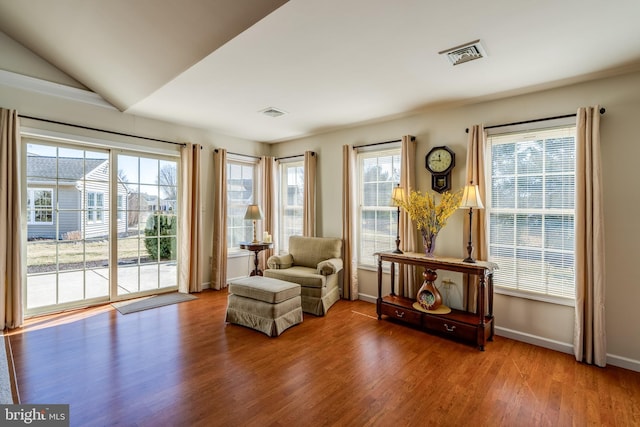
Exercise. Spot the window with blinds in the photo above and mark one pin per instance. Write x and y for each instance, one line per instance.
(531, 213)
(378, 173)
(291, 202)
(241, 179)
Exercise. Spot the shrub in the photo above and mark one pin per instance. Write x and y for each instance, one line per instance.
(159, 225)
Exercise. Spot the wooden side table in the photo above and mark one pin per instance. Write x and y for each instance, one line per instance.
(256, 248)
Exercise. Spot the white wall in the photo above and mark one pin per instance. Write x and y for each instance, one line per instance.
(547, 324)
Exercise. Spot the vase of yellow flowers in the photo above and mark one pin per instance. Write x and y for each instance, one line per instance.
(428, 216)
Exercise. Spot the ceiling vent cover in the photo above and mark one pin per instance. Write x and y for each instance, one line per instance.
(273, 112)
(465, 53)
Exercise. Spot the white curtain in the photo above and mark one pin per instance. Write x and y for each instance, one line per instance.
(10, 224)
(589, 341)
(191, 256)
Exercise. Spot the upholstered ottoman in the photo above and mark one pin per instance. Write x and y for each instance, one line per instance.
(264, 304)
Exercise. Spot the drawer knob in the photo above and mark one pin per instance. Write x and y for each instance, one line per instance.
(400, 314)
(449, 328)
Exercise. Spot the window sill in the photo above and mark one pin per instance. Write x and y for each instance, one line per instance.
(385, 268)
(535, 297)
(238, 253)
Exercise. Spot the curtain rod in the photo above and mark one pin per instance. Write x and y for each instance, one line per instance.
(294, 156)
(239, 154)
(413, 138)
(602, 111)
(102, 130)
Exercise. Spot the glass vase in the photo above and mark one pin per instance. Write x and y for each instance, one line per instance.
(429, 242)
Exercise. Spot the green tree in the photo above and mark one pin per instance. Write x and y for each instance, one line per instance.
(160, 239)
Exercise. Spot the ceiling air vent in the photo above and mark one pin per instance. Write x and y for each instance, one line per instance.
(273, 112)
(465, 53)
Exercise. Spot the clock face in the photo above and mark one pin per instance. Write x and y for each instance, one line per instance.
(439, 160)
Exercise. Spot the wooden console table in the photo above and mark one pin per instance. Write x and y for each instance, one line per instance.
(476, 328)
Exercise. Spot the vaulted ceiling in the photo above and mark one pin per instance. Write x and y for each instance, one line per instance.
(216, 64)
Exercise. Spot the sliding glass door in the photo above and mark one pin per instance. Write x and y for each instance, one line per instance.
(147, 251)
(101, 226)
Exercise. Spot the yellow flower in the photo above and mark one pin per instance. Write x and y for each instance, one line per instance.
(428, 216)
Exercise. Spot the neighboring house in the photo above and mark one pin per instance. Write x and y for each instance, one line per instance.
(68, 198)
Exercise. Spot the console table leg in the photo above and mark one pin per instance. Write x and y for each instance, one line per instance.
(379, 300)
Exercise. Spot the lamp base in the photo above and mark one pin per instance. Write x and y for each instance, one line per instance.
(469, 260)
(397, 249)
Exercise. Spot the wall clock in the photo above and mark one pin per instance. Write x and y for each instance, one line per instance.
(440, 162)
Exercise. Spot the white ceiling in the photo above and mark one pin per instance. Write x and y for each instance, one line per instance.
(328, 63)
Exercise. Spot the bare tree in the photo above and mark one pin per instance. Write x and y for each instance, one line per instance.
(168, 180)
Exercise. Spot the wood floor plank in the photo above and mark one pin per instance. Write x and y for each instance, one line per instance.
(182, 365)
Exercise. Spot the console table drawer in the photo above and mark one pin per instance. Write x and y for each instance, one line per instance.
(451, 328)
(402, 313)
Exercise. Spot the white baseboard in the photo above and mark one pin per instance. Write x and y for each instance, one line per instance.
(623, 362)
(612, 359)
(534, 340)
(367, 298)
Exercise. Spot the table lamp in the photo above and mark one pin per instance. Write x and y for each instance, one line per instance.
(253, 213)
(470, 199)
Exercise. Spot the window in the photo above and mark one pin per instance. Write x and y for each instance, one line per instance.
(241, 179)
(39, 206)
(378, 172)
(531, 213)
(95, 206)
(291, 203)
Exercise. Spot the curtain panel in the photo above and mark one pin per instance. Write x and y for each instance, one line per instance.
(269, 205)
(408, 281)
(10, 221)
(349, 210)
(589, 341)
(309, 209)
(219, 250)
(476, 174)
(191, 256)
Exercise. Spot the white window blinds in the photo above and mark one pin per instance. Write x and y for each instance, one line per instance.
(531, 211)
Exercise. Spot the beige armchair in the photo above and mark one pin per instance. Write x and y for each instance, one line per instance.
(315, 264)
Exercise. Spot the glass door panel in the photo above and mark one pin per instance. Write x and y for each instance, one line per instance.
(67, 226)
(147, 250)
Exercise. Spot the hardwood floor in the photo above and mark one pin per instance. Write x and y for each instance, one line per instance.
(181, 365)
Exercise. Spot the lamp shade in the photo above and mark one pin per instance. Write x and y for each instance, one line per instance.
(253, 212)
(471, 198)
(397, 194)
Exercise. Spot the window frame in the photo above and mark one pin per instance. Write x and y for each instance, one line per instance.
(393, 150)
(95, 210)
(283, 236)
(32, 209)
(512, 136)
(241, 161)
